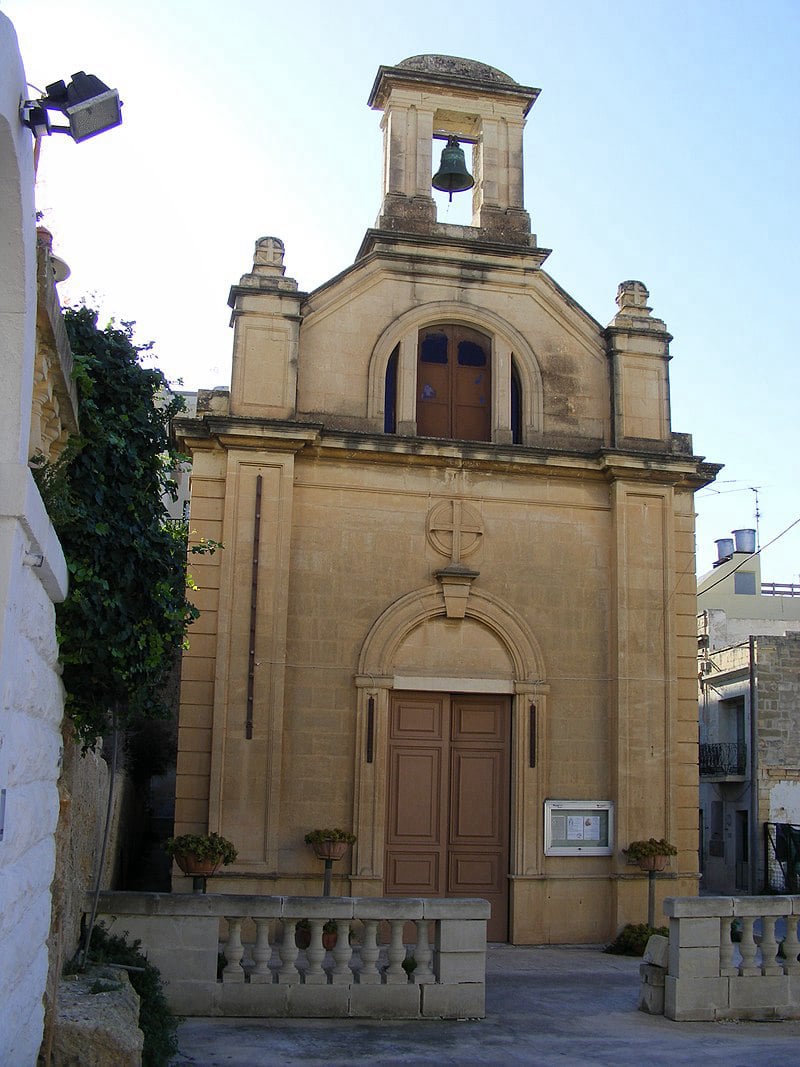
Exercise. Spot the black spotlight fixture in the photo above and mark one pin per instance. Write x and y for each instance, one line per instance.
(88, 105)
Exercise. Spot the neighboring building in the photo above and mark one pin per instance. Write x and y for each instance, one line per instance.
(734, 603)
(182, 475)
(37, 408)
(456, 592)
(749, 681)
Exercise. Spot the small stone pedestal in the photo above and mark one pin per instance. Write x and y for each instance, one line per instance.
(652, 974)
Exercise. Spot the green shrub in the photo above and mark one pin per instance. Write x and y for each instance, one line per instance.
(156, 1021)
(632, 939)
(316, 837)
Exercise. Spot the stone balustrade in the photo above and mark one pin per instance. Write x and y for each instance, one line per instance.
(712, 976)
(266, 973)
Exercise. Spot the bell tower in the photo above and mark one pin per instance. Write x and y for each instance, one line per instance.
(435, 97)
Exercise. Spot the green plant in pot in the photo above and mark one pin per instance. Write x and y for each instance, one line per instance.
(650, 855)
(302, 934)
(200, 855)
(330, 844)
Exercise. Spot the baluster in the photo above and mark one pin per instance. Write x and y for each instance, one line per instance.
(726, 967)
(748, 949)
(769, 947)
(423, 954)
(289, 974)
(395, 975)
(315, 954)
(369, 973)
(791, 946)
(342, 952)
(234, 950)
(261, 974)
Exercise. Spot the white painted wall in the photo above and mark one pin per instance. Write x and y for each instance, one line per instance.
(784, 802)
(31, 696)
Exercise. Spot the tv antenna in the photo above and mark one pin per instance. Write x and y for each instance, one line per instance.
(754, 489)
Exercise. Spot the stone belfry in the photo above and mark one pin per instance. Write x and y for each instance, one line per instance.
(434, 96)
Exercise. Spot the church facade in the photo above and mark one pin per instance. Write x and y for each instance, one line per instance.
(455, 611)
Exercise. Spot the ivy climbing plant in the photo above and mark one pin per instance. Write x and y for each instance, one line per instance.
(126, 614)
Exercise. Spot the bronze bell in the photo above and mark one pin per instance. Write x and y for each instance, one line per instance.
(452, 175)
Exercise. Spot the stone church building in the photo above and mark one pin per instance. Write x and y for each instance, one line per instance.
(455, 611)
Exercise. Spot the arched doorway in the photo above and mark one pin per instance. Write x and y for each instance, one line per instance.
(448, 796)
(444, 724)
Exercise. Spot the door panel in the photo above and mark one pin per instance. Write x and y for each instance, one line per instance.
(417, 776)
(475, 776)
(454, 384)
(448, 799)
(415, 874)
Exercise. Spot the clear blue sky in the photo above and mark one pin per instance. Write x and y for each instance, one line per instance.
(664, 147)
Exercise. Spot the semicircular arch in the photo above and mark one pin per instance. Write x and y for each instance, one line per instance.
(400, 618)
(450, 311)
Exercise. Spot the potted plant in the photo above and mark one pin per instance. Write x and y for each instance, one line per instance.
(200, 855)
(650, 855)
(302, 934)
(330, 844)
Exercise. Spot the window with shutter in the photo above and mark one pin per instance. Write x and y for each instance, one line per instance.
(454, 384)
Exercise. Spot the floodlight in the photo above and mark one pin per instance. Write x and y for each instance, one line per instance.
(89, 105)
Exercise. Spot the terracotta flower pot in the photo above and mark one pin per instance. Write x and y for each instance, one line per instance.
(329, 850)
(329, 939)
(653, 863)
(195, 866)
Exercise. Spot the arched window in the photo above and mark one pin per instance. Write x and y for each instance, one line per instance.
(390, 393)
(454, 383)
(516, 405)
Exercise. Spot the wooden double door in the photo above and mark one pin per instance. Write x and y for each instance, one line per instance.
(448, 803)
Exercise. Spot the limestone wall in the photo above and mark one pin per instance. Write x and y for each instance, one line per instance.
(778, 666)
(31, 706)
(32, 577)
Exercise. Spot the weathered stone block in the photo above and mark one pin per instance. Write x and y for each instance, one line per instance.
(454, 967)
(251, 1001)
(657, 951)
(766, 995)
(187, 997)
(464, 1001)
(651, 989)
(317, 1001)
(317, 907)
(687, 1000)
(693, 962)
(695, 933)
(385, 1002)
(458, 935)
(98, 1029)
(762, 905)
(466, 908)
(697, 907)
(381, 908)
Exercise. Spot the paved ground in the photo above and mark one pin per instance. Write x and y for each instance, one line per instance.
(566, 1006)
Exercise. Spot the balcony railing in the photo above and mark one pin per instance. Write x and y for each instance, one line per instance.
(732, 958)
(780, 589)
(723, 759)
(393, 957)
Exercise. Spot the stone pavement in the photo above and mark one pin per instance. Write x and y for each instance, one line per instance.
(566, 1006)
